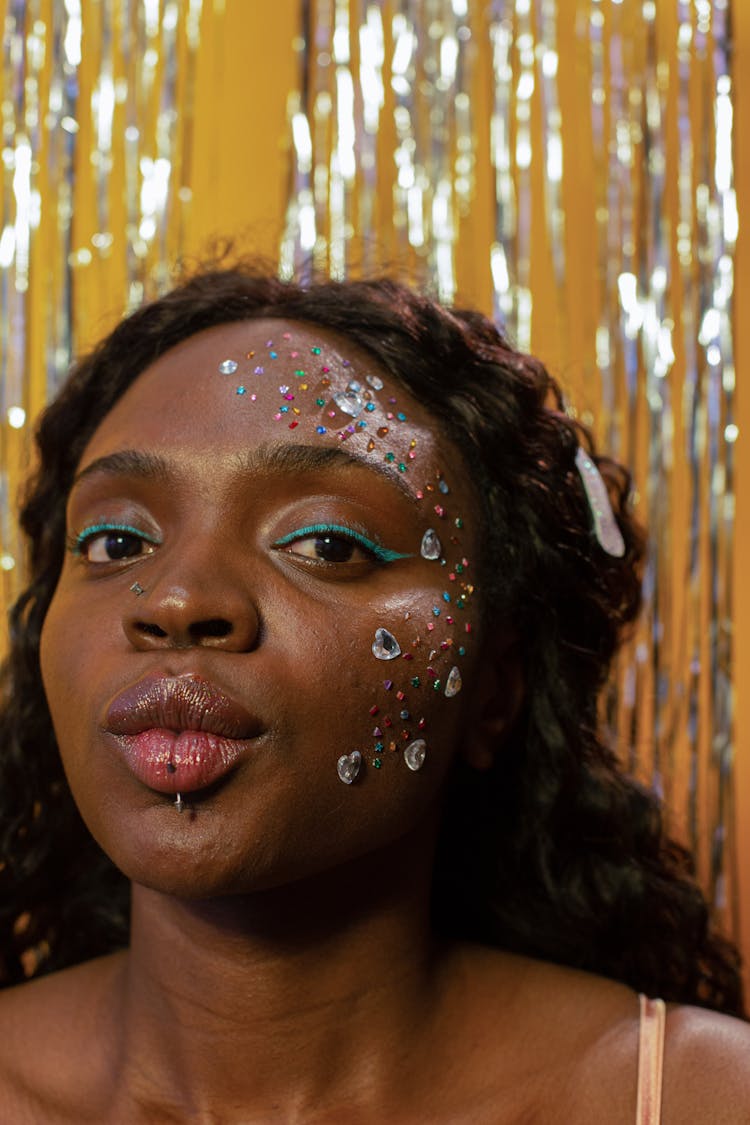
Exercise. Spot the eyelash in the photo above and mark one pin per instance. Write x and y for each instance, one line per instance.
(382, 554)
(76, 543)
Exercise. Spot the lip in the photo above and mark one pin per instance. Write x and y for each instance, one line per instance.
(178, 734)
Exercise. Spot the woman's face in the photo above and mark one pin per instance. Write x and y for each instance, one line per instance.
(267, 600)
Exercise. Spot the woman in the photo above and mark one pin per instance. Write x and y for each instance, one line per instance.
(324, 587)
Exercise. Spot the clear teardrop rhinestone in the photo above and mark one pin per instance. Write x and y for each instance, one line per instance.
(348, 766)
(375, 382)
(385, 646)
(228, 366)
(349, 402)
(415, 754)
(453, 683)
(431, 547)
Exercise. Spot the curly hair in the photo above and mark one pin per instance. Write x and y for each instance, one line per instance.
(554, 852)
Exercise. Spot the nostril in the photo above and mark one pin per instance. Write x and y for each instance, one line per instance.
(213, 627)
(150, 629)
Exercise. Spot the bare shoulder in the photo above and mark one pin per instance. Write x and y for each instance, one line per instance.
(573, 1052)
(52, 1041)
(706, 1068)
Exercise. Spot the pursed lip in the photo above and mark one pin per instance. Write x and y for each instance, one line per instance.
(179, 703)
(179, 734)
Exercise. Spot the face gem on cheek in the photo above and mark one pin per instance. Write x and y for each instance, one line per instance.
(348, 766)
(453, 683)
(431, 546)
(228, 366)
(385, 646)
(415, 754)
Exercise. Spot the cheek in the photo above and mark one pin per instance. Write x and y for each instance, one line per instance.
(408, 668)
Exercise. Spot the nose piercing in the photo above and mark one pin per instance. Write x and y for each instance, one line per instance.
(137, 589)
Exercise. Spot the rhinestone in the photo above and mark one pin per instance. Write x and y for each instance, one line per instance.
(385, 646)
(453, 683)
(375, 382)
(348, 766)
(443, 487)
(349, 402)
(228, 366)
(415, 753)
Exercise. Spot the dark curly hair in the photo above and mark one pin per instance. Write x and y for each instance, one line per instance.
(553, 852)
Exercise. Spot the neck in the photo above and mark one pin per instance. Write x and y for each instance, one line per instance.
(301, 979)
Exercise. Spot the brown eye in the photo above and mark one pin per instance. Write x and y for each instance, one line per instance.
(113, 544)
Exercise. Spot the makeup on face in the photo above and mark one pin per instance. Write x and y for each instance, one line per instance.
(366, 516)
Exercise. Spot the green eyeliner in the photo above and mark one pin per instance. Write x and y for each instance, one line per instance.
(97, 529)
(382, 554)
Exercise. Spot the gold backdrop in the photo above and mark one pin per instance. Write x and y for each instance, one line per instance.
(567, 165)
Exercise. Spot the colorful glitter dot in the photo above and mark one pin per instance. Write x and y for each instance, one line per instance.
(404, 714)
(299, 373)
(461, 650)
(459, 522)
(446, 596)
(390, 457)
(401, 416)
(241, 391)
(449, 620)
(382, 431)
(374, 709)
(320, 402)
(293, 425)
(377, 762)
(315, 351)
(258, 370)
(436, 685)
(436, 611)
(400, 695)
(320, 430)
(284, 409)
(370, 445)
(439, 511)
(370, 407)
(274, 355)
(415, 681)
(387, 684)
(379, 747)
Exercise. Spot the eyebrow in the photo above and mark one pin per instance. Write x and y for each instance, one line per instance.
(290, 460)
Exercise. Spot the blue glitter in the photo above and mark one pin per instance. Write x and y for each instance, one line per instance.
(446, 597)
(361, 425)
(274, 355)
(320, 430)
(436, 611)
(241, 391)
(401, 417)
(370, 407)
(283, 410)
(461, 651)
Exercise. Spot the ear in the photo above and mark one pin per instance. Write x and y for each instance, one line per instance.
(499, 695)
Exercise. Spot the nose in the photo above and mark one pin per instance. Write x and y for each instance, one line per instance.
(191, 606)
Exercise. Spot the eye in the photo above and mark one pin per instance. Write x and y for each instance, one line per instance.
(112, 543)
(335, 544)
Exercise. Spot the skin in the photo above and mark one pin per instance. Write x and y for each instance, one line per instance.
(282, 967)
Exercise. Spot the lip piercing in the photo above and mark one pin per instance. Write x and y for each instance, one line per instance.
(137, 589)
(179, 804)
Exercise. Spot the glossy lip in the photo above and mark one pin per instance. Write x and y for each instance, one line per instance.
(178, 734)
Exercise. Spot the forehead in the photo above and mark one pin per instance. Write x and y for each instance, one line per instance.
(274, 382)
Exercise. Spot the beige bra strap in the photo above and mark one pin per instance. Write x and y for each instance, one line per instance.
(650, 1061)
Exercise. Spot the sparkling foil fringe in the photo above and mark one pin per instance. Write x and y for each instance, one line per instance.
(387, 156)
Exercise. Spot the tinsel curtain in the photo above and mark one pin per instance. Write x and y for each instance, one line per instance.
(565, 164)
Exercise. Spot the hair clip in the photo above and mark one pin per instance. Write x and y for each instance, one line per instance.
(606, 530)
